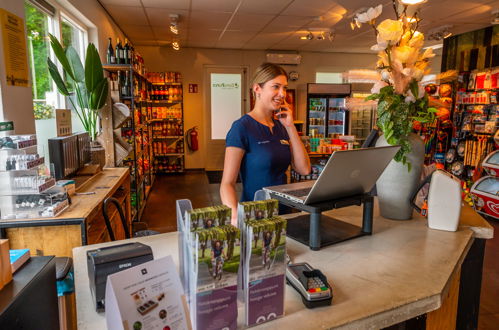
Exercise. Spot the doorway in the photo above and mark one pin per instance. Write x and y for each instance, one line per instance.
(225, 102)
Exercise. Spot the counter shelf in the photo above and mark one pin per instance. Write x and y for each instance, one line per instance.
(318, 230)
(49, 203)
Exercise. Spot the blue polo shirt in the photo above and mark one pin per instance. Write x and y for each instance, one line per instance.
(267, 154)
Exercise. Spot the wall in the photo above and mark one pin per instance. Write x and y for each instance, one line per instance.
(17, 102)
(192, 61)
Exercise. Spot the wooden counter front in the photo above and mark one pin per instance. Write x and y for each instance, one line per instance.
(80, 224)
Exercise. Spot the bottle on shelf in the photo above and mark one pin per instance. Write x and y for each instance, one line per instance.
(111, 59)
(125, 87)
(126, 52)
(118, 52)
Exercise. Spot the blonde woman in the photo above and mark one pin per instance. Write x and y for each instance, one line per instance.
(260, 147)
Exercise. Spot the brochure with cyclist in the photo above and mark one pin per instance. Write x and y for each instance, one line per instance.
(264, 260)
(215, 249)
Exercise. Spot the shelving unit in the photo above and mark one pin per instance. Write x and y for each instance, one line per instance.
(167, 123)
(132, 89)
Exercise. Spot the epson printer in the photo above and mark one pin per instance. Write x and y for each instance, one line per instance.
(109, 260)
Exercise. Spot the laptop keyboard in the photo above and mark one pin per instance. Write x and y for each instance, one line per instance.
(299, 192)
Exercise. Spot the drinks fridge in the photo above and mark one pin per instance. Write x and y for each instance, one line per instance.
(326, 109)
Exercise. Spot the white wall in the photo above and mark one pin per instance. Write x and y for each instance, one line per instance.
(191, 62)
(17, 102)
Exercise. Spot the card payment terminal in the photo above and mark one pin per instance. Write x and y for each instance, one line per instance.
(310, 283)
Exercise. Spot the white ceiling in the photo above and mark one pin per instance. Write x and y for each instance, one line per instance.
(278, 24)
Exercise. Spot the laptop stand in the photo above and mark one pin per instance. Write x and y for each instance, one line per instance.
(318, 230)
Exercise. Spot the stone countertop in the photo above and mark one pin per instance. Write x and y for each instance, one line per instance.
(403, 270)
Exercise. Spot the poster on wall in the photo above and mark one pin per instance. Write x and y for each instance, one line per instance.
(290, 100)
(14, 48)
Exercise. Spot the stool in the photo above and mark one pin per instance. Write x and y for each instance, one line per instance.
(110, 231)
(65, 292)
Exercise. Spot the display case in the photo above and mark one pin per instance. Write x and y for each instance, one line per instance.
(26, 189)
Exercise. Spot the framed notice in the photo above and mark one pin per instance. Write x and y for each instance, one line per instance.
(14, 48)
(63, 122)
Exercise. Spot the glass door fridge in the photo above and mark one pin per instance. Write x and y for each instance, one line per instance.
(327, 113)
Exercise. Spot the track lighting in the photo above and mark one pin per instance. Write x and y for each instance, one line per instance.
(411, 2)
(440, 33)
(495, 18)
(174, 23)
(175, 45)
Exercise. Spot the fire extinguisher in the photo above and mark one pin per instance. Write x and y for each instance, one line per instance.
(191, 137)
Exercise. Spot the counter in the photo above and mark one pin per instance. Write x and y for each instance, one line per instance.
(80, 224)
(403, 270)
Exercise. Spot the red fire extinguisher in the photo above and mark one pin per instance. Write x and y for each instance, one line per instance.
(192, 138)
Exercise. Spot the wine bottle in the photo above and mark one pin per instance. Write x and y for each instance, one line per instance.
(111, 59)
(119, 52)
(126, 52)
(125, 90)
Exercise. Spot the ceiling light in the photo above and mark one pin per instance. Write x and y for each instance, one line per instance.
(309, 36)
(411, 2)
(174, 23)
(440, 33)
(175, 45)
(495, 19)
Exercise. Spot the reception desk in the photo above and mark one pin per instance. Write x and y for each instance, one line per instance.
(402, 271)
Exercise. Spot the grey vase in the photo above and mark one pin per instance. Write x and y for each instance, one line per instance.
(396, 185)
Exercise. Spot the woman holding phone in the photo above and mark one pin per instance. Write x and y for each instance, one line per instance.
(264, 142)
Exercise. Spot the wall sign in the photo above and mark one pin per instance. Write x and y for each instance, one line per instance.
(14, 48)
(193, 88)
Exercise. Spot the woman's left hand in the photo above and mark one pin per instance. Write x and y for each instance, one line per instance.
(285, 115)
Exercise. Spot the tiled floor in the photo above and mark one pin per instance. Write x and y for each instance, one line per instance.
(160, 215)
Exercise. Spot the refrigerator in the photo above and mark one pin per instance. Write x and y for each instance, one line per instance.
(326, 109)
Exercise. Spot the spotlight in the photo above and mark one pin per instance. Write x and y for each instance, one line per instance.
(321, 36)
(440, 33)
(175, 45)
(411, 2)
(309, 36)
(495, 19)
(174, 23)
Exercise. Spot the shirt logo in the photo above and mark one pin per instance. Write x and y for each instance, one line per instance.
(263, 142)
(286, 142)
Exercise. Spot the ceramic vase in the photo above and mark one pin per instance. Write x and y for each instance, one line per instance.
(396, 185)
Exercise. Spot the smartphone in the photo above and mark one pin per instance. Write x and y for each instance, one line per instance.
(278, 114)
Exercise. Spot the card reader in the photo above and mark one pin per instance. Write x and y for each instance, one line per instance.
(310, 283)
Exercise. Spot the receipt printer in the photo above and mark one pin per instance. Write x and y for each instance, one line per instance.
(109, 260)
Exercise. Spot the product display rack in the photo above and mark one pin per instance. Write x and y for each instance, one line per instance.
(132, 88)
(167, 123)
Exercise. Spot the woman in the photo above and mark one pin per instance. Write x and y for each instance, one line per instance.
(259, 146)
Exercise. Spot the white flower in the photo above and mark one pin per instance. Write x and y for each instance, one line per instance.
(377, 86)
(370, 14)
(409, 98)
(381, 45)
(385, 75)
(390, 30)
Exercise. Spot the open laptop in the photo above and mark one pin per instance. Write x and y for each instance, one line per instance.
(347, 173)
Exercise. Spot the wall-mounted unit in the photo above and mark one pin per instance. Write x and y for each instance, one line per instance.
(286, 59)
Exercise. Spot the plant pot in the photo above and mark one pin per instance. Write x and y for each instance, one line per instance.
(97, 154)
(396, 185)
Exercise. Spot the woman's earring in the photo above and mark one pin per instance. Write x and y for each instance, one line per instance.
(258, 95)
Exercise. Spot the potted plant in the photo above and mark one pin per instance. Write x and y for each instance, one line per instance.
(85, 87)
(402, 101)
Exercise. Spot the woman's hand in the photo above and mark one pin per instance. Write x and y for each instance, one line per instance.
(285, 115)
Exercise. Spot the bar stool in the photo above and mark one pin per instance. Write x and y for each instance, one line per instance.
(110, 231)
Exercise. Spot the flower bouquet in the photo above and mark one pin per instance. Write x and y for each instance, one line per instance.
(402, 64)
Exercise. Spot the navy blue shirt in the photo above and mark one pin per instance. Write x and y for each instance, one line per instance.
(267, 154)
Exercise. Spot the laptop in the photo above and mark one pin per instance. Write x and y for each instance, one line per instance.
(347, 173)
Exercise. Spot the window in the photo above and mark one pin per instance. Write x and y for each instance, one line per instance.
(328, 78)
(38, 25)
(74, 35)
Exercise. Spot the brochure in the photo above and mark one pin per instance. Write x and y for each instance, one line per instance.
(212, 259)
(147, 296)
(265, 269)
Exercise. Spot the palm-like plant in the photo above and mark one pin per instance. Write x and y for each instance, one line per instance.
(85, 85)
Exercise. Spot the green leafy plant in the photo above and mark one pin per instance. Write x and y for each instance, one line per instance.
(396, 118)
(85, 85)
(43, 111)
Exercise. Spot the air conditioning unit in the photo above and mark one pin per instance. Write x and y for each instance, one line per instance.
(287, 59)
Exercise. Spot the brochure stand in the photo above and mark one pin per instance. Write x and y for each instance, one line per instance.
(317, 230)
